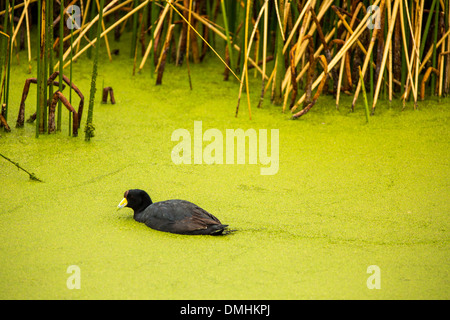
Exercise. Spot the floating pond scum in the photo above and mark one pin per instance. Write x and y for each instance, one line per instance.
(251, 109)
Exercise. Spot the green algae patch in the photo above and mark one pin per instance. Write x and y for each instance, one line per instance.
(347, 195)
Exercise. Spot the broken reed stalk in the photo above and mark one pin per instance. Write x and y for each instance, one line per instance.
(162, 57)
(323, 62)
(3, 122)
(30, 174)
(89, 129)
(58, 97)
(111, 95)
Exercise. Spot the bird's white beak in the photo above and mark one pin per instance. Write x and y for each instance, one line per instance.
(122, 203)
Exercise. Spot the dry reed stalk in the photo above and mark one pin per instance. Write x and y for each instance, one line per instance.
(157, 30)
(323, 62)
(390, 21)
(213, 50)
(446, 88)
(28, 39)
(297, 23)
(280, 25)
(312, 67)
(422, 65)
(83, 32)
(366, 61)
(247, 48)
(287, 84)
(210, 25)
(247, 55)
(301, 46)
(349, 29)
(188, 43)
(104, 32)
(441, 69)
(353, 38)
(306, 66)
(386, 50)
(106, 36)
(83, 21)
(408, 62)
(425, 79)
(266, 22)
(163, 55)
(16, 31)
(418, 35)
(338, 91)
(293, 76)
(3, 122)
(430, 51)
(346, 60)
(17, 6)
(58, 96)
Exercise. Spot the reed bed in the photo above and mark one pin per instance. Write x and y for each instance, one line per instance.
(300, 50)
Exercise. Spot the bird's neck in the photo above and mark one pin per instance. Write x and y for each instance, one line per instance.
(143, 206)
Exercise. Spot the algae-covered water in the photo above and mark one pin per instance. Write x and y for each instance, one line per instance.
(347, 195)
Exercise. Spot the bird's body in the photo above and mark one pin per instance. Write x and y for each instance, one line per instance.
(175, 216)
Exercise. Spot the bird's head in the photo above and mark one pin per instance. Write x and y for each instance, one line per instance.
(135, 199)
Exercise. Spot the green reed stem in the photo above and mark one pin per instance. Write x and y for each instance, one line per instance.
(61, 69)
(89, 130)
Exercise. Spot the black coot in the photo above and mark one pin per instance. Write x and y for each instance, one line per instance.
(176, 216)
